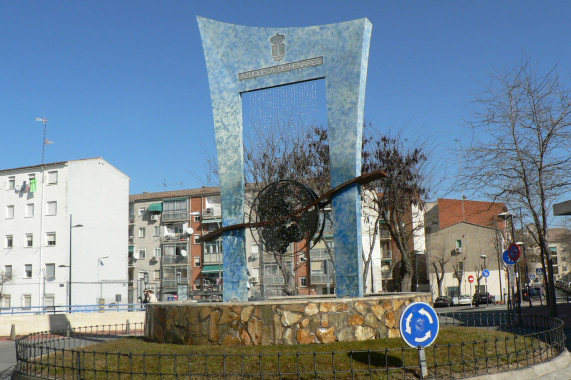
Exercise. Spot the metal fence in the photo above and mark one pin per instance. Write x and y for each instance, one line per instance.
(57, 309)
(64, 355)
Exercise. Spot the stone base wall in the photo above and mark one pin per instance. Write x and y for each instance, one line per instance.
(287, 321)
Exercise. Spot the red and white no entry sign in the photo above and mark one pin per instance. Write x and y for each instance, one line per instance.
(470, 279)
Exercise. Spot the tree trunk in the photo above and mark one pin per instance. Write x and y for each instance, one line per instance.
(287, 272)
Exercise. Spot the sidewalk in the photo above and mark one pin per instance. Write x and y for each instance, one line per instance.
(7, 358)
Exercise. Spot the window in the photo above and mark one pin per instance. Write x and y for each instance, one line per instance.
(197, 218)
(11, 183)
(157, 274)
(27, 301)
(142, 232)
(197, 261)
(175, 209)
(52, 177)
(29, 240)
(51, 208)
(10, 212)
(31, 176)
(316, 267)
(157, 253)
(142, 253)
(196, 239)
(50, 271)
(8, 271)
(142, 211)
(303, 281)
(6, 301)
(9, 241)
(49, 302)
(51, 238)
(157, 231)
(458, 243)
(28, 271)
(29, 210)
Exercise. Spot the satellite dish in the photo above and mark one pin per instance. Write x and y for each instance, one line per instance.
(136, 255)
(189, 231)
(183, 253)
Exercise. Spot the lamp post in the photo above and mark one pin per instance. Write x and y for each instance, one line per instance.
(416, 254)
(486, 279)
(71, 227)
(99, 263)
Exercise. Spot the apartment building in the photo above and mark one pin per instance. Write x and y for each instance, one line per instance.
(63, 234)
(463, 238)
(559, 244)
(165, 254)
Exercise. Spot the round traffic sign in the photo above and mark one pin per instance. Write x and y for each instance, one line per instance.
(470, 279)
(514, 251)
(419, 324)
(486, 273)
(507, 259)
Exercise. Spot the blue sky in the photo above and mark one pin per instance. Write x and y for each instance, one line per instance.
(126, 80)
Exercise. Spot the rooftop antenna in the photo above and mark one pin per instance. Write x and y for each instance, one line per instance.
(165, 185)
(45, 122)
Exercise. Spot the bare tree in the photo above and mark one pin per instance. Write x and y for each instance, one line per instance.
(396, 196)
(286, 153)
(5, 278)
(524, 119)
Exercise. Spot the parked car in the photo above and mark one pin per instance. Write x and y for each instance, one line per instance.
(534, 292)
(464, 299)
(482, 298)
(443, 301)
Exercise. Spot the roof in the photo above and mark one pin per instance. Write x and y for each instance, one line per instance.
(175, 194)
(39, 166)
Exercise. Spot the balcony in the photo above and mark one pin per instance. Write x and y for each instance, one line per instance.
(212, 258)
(273, 280)
(175, 215)
(322, 278)
(321, 254)
(211, 213)
(174, 259)
(174, 238)
(384, 235)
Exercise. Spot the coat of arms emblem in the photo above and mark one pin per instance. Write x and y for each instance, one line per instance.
(278, 47)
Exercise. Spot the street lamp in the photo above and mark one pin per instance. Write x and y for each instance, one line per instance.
(71, 227)
(416, 254)
(486, 279)
(99, 263)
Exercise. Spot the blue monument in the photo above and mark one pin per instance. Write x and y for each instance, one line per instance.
(241, 59)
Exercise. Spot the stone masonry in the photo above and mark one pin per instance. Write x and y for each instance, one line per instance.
(284, 321)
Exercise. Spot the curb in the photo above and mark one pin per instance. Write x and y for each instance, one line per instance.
(561, 362)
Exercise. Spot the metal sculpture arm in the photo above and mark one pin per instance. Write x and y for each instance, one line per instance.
(321, 202)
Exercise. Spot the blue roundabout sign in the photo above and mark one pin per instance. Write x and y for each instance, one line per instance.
(507, 259)
(486, 273)
(419, 324)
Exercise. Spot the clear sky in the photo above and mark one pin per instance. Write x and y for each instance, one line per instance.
(126, 80)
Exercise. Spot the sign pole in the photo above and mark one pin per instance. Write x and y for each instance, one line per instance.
(422, 362)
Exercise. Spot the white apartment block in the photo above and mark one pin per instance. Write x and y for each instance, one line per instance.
(63, 234)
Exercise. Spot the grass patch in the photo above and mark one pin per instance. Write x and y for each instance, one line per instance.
(483, 351)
